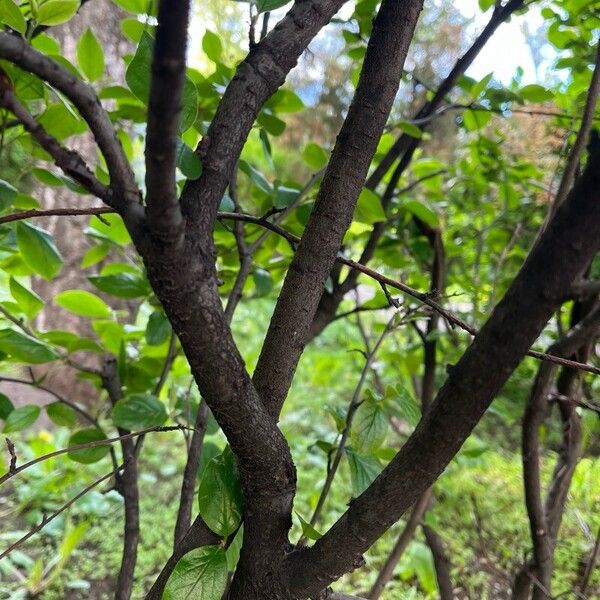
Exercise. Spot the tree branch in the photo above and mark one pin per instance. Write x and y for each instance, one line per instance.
(83, 96)
(545, 518)
(60, 212)
(332, 214)
(95, 444)
(127, 485)
(69, 161)
(582, 136)
(563, 253)
(259, 76)
(57, 513)
(164, 108)
(406, 144)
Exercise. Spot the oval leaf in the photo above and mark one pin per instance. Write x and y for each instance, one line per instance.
(25, 348)
(21, 418)
(83, 303)
(139, 411)
(61, 414)
(220, 494)
(55, 12)
(38, 250)
(90, 56)
(201, 573)
(88, 455)
(6, 406)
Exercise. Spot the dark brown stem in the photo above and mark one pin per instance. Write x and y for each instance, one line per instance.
(441, 563)
(60, 212)
(545, 517)
(127, 484)
(590, 565)
(163, 213)
(387, 571)
(334, 207)
(190, 474)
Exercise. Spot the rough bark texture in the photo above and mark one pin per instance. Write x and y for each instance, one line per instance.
(332, 214)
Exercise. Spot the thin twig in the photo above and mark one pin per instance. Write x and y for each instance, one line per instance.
(355, 402)
(71, 163)
(49, 518)
(54, 212)
(13, 456)
(421, 296)
(94, 444)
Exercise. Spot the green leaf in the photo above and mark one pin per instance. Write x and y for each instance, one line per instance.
(233, 550)
(94, 255)
(90, 56)
(476, 119)
(29, 302)
(401, 403)
(8, 193)
(84, 304)
(73, 535)
(88, 455)
(111, 228)
(535, 93)
(363, 471)
(138, 71)
(61, 414)
(262, 281)
(368, 208)
(138, 7)
(138, 79)
(11, 15)
(59, 121)
(189, 105)
(211, 44)
(484, 5)
(188, 161)
(21, 418)
(38, 250)
(220, 494)
(25, 348)
(139, 411)
(158, 329)
(122, 285)
(284, 196)
(315, 157)
(479, 87)
(55, 12)
(274, 125)
(201, 573)
(421, 211)
(266, 5)
(284, 101)
(257, 178)
(370, 426)
(6, 406)
(410, 129)
(308, 530)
